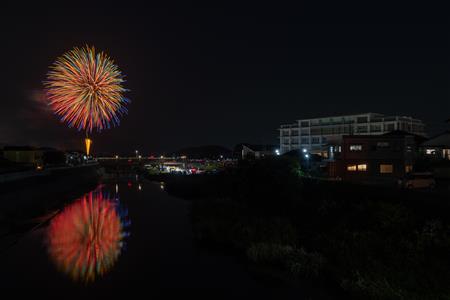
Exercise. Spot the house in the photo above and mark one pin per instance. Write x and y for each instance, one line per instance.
(34, 157)
(25, 155)
(437, 147)
(256, 151)
(377, 159)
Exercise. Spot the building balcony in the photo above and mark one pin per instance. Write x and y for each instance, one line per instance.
(333, 123)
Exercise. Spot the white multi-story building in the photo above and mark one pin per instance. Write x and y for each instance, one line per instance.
(324, 135)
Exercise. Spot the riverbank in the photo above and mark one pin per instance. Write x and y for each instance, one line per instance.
(369, 242)
(24, 199)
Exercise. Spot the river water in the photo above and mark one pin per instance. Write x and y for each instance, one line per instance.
(119, 235)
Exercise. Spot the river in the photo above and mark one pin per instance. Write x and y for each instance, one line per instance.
(129, 234)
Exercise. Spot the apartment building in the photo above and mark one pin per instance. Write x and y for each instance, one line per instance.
(324, 135)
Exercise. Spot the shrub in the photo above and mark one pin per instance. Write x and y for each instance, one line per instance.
(298, 262)
(269, 253)
(303, 264)
(368, 288)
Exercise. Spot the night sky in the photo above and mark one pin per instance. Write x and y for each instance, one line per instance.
(230, 74)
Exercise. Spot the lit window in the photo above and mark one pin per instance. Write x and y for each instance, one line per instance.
(362, 167)
(408, 168)
(351, 168)
(446, 153)
(431, 151)
(386, 169)
(355, 147)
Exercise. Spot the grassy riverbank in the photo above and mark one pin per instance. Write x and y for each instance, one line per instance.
(370, 242)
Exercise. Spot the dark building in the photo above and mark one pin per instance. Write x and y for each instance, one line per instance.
(438, 147)
(246, 151)
(377, 159)
(26, 155)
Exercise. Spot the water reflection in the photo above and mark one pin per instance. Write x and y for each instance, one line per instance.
(87, 237)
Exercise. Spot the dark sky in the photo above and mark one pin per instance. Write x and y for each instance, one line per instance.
(223, 75)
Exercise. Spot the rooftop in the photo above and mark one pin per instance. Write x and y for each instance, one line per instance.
(344, 116)
(392, 134)
(441, 140)
(376, 117)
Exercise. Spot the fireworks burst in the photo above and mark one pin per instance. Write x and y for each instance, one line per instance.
(85, 240)
(85, 89)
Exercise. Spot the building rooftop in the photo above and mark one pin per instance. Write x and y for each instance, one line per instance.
(441, 140)
(390, 135)
(346, 115)
(376, 115)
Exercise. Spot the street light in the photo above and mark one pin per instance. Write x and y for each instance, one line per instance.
(304, 150)
(277, 152)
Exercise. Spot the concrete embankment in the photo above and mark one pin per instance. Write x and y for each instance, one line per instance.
(6, 179)
(27, 195)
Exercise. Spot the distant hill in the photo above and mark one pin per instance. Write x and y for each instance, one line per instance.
(208, 151)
